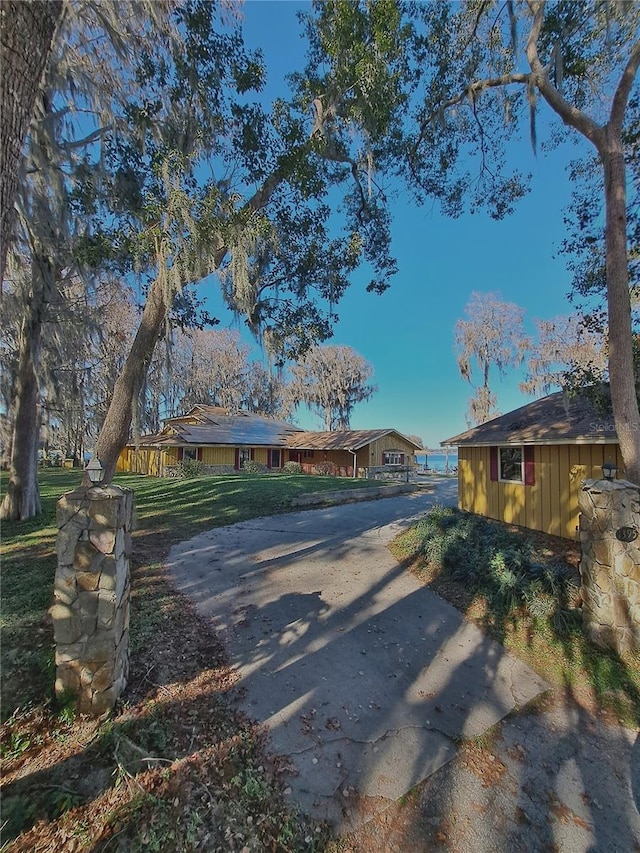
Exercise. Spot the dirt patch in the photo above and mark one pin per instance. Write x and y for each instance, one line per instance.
(175, 765)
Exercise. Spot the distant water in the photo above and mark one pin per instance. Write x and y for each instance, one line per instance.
(437, 461)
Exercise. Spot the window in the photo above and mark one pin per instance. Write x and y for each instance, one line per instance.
(511, 464)
(392, 457)
(190, 453)
(244, 455)
(307, 454)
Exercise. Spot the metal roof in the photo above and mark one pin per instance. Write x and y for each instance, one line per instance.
(557, 418)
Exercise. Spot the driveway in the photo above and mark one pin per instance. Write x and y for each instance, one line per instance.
(364, 678)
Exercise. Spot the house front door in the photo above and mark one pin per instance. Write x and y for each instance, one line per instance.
(275, 459)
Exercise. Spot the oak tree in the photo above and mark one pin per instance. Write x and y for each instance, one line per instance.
(492, 336)
(492, 68)
(331, 380)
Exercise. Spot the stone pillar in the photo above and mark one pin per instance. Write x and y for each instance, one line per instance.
(610, 565)
(91, 596)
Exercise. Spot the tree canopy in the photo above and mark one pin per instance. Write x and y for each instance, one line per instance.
(331, 379)
(480, 74)
(492, 336)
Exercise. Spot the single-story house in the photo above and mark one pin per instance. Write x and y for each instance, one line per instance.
(356, 452)
(526, 467)
(223, 441)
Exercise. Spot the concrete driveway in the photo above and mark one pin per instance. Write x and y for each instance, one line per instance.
(364, 678)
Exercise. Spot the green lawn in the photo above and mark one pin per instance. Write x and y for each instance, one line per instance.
(176, 509)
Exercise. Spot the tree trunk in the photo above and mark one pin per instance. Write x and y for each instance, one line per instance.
(621, 373)
(22, 498)
(26, 33)
(115, 429)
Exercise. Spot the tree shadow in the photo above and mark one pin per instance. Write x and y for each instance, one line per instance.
(358, 671)
(568, 773)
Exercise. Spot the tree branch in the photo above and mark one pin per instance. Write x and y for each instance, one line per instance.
(469, 93)
(570, 115)
(623, 90)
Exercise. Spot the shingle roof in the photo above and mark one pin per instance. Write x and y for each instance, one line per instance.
(554, 419)
(352, 439)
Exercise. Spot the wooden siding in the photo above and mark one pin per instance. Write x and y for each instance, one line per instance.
(260, 455)
(146, 460)
(218, 455)
(551, 504)
(389, 442)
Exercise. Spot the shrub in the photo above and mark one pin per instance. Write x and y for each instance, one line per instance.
(188, 468)
(292, 468)
(324, 469)
(250, 466)
(494, 563)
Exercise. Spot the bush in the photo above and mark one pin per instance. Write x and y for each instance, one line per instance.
(188, 468)
(494, 563)
(250, 466)
(324, 469)
(292, 468)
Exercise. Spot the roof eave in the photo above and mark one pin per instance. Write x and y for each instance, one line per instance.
(582, 439)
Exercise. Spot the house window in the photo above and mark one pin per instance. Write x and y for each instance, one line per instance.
(244, 455)
(190, 453)
(511, 462)
(392, 457)
(307, 454)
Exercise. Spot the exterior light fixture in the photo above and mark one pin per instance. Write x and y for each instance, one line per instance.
(609, 471)
(95, 470)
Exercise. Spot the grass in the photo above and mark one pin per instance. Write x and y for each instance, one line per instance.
(176, 508)
(204, 502)
(87, 778)
(521, 590)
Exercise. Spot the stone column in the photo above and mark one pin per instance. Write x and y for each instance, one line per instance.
(610, 565)
(91, 596)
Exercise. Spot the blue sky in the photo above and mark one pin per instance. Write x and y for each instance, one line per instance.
(407, 333)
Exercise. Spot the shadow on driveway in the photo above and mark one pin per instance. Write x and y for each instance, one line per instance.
(364, 678)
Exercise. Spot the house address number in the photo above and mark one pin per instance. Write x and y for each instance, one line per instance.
(627, 534)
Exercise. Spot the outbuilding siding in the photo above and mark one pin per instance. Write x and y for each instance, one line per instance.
(550, 504)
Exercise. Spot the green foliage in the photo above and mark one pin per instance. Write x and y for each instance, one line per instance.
(522, 598)
(292, 468)
(492, 562)
(250, 466)
(18, 743)
(189, 468)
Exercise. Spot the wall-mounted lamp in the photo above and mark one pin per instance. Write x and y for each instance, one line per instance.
(95, 470)
(609, 471)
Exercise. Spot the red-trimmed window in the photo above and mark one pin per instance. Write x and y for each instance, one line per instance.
(242, 455)
(512, 464)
